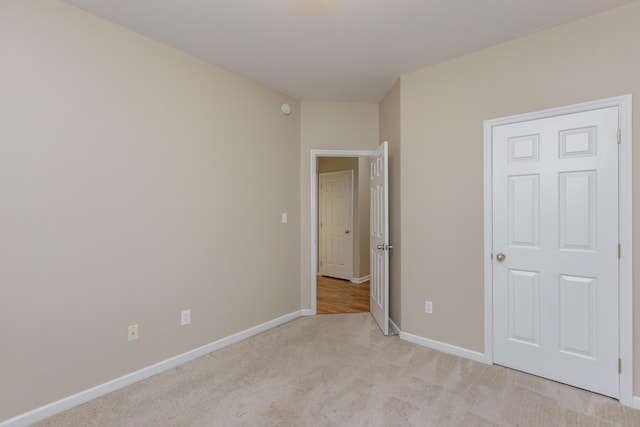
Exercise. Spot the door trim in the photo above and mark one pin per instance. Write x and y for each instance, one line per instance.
(314, 210)
(624, 105)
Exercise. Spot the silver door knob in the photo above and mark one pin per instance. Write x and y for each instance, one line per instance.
(500, 257)
(385, 247)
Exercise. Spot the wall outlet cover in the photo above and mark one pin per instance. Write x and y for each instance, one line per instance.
(132, 332)
(428, 307)
(185, 317)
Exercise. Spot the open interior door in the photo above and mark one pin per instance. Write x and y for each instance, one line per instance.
(379, 237)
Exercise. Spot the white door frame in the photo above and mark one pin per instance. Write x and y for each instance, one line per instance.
(315, 154)
(624, 105)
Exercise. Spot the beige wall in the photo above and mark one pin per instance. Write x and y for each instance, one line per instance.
(364, 198)
(443, 109)
(389, 123)
(360, 208)
(335, 126)
(336, 164)
(136, 181)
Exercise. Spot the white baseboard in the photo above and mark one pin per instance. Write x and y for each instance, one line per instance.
(394, 327)
(362, 279)
(444, 347)
(459, 351)
(306, 312)
(125, 380)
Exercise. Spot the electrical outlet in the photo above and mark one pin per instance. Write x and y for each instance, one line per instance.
(284, 218)
(428, 307)
(185, 317)
(132, 332)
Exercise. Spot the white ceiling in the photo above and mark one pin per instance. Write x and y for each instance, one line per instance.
(336, 50)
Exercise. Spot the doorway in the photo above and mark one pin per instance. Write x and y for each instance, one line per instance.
(379, 246)
(558, 245)
(343, 230)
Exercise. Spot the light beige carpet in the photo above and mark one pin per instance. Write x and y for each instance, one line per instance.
(338, 370)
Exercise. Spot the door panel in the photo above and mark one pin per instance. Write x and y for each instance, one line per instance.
(524, 307)
(577, 310)
(524, 215)
(577, 210)
(555, 207)
(379, 237)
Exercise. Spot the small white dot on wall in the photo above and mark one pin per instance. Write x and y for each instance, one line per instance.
(286, 109)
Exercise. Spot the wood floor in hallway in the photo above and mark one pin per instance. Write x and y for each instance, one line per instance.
(341, 296)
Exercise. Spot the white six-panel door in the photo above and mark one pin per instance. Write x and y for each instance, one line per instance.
(336, 223)
(379, 237)
(555, 248)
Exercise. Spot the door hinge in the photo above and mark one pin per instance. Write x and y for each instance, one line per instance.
(619, 135)
(619, 366)
(619, 251)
